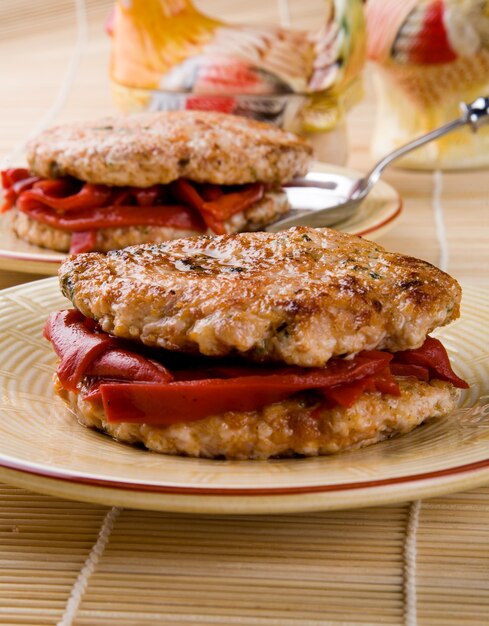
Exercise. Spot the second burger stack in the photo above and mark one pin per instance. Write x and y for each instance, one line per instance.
(150, 178)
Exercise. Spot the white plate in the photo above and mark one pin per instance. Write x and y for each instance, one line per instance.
(43, 448)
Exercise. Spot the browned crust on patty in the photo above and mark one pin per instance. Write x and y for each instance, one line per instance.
(285, 428)
(158, 147)
(300, 296)
(263, 212)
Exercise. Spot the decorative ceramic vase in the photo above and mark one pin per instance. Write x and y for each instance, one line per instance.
(168, 55)
(430, 56)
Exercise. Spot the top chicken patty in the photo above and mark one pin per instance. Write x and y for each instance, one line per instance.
(158, 147)
(300, 296)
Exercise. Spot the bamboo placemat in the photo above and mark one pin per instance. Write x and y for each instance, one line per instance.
(418, 563)
(341, 568)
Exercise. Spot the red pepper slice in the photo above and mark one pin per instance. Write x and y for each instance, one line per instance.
(216, 211)
(83, 241)
(122, 197)
(228, 371)
(9, 198)
(409, 370)
(76, 346)
(386, 383)
(147, 196)
(187, 401)
(347, 394)
(69, 195)
(127, 365)
(85, 352)
(195, 399)
(180, 217)
(59, 187)
(13, 175)
(23, 185)
(89, 196)
(433, 356)
(13, 179)
(210, 193)
(231, 203)
(156, 396)
(186, 193)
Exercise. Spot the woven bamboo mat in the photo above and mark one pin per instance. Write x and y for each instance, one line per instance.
(68, 563)
(345, 568)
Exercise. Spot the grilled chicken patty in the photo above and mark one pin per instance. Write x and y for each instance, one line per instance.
(263, 212)
(283, 429)
(300, 296)
(159, 147)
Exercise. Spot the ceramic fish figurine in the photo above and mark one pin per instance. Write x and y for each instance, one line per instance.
(301, 80)
(430, 56)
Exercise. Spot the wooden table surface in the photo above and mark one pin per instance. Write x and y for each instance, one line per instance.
(152, 568)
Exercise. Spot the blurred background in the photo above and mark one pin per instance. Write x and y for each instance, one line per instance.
(33, 72)
(54, 66)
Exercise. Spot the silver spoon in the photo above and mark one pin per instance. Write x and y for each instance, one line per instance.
(325, 199)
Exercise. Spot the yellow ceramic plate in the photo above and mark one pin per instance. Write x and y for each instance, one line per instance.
(42, 447)
(375, 216)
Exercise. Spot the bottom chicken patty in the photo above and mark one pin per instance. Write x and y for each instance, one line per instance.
(294, 427)
(267, 210)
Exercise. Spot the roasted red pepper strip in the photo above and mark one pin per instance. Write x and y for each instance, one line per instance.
(83, 241)
(14, 181)
(59, 187)
(347, 394)
(188, 400)
(195, 399)
(218, 211)
(84, 352)
(76, 346)
(221, 207)
(185, 192)
(8, 201)
(210, 192)
(127, 365)
(121, 197)
(385, 382)
(227, 371)
(180, 217)
(89, 197)
(230, 203)
(34, 196)
(434, 357)
(160, 399)
(23, 185)
(407, 369)
(13, 175)
(147, 196)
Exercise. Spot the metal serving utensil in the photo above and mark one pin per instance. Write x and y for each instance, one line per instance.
(325, 199)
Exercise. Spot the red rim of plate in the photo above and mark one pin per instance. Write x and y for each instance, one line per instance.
(236, 491)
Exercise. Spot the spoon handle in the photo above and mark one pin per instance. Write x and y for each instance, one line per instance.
(475, 115)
